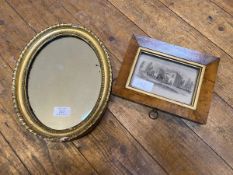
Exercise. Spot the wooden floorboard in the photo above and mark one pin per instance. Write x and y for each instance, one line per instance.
(157, 32)
(112, 150)
(9, 161)
(209, 19)
(217, 133)
(126, 141)
(146, 15)
(36, 154)
(165, 140)
(226, 5)
(121, 168)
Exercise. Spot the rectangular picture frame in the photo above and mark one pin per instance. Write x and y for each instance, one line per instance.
(167, 77)
(158, 55)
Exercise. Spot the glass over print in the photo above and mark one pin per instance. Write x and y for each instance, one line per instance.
(165, 78)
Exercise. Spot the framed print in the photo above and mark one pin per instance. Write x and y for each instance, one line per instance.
(167, 77)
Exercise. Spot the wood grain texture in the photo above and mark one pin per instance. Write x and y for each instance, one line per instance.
(152, 23)
(38, 156)
(124, 167)
(210, 20)
(211, 63)
(110, 145)
(136, 144)
(160, 23)
(164, 138)
(226, 5)
(218, 130)
(9, 162)
(112, 14)
(142, 162)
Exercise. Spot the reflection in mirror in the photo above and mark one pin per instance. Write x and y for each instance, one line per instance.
(64, 83)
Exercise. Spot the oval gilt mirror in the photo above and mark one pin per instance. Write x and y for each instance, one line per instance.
(62, 82)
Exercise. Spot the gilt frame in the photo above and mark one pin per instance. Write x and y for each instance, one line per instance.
(19, 91)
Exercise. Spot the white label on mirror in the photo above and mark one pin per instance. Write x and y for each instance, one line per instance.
(61, 111)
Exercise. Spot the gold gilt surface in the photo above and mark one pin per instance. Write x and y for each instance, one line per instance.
(20, 99)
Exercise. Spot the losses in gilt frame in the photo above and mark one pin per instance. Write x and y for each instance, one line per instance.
(167, 77)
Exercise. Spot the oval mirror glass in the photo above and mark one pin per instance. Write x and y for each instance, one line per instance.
(62, 82)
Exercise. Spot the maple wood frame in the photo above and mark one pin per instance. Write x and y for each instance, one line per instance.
(198, 110)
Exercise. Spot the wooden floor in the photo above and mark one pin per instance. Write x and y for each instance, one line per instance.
(126, 141)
